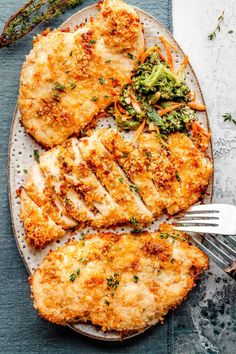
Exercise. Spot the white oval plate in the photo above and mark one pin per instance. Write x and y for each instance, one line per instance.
(21, 147)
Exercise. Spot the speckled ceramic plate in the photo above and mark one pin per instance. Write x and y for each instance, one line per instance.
(21, 147)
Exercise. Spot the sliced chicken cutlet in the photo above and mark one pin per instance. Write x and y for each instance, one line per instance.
(121, 189)
(119, 282)
(40, 229)
(68, 78)
(135, 161)
(194, 170)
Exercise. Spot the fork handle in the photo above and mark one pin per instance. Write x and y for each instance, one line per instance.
(231, 270)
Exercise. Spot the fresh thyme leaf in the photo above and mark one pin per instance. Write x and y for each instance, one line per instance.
(135, 278)
(107, 61)
(74, 275)
(177, 176)
(130, 56)
(172, 260)
(107, 302)
(101, 80)
(59, 87)
(112, 281)
(92, 42)
(212, 34)
(134, 221)
(125, 154)
(133, 187)
(228, 118)
(121, 179)
(82, 236)
(148, 153)
(72, 85)
(30, 15)
(94, 99)
(36, 155)
(164, 235)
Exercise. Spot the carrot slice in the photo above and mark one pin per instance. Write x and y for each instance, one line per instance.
(139, 131)
(167, 46)
(202, 136)
(197, 106)
(161, 112)
(164, 40)
(183, 67)
(148, 52)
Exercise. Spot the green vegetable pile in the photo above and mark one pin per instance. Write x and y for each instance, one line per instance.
(154, 84)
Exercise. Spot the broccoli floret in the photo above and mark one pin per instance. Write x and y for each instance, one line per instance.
(178, 120)
(163, 80)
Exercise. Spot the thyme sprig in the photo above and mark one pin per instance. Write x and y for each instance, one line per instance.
(228, 118)
(30, 15)
(220, 19)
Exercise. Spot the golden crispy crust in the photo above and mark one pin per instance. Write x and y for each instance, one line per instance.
(68, 78)
(104, 180)
(119, 282)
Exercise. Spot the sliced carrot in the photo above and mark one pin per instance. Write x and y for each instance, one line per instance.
(197, 106)
(167, 46)
(121, 109)
(183, 66)
(139, 131)
(202, 135)
(149, 51)
(161, 112)
(157, 106)
(164, 40)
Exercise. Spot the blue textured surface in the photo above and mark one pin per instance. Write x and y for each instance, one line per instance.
(21, 329)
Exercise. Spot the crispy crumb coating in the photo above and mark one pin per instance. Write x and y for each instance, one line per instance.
(70, 77)
(103, 180)
(119, 282)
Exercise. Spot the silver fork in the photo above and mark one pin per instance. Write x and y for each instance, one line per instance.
(213, 220)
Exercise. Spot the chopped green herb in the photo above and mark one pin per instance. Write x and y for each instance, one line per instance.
(164, 235)
(130, 56)
(177, 176)
(36, 155)
(72, 85)
(25, 171)
(92, 42)
(94, 99)
(82, 235)
(230, 31)
(106, 97)
(59, 87)
(107, 302)
(135, 278)
(148, 153)
(74, 275)
(107, 61)
(112, 281)
(172, 260)
(56, 96)
(67, 200)
(133, 187)
(228, 118)
(121, 179)
(212, 34)
(125, 154)
(101, 80)
(84, 260)
(134, 221)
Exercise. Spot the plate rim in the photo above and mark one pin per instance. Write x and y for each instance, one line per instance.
(10, 192)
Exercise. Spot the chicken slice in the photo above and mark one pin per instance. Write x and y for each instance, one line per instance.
(119, 282)
(194, 171)
(134, 165)
(71, 199)
(68, 78)
(45, 197)
(40, 229)
(77, 173)
(113, 178)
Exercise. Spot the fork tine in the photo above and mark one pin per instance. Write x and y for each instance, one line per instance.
(198, 221)
(224, 245)
(219, 250)
(199, 229)
(202, 215)
(215, 258)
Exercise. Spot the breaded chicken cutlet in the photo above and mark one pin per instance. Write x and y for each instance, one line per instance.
(69, 77)
(103, 180)
(120, 282)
